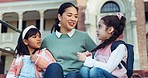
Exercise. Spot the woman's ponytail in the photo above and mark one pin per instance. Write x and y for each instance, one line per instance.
(55, 26)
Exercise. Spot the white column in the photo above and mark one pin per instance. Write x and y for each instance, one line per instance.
(41, 20)
(1, 16)
(20, 15)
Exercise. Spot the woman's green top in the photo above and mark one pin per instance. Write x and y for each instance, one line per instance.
(65, 46)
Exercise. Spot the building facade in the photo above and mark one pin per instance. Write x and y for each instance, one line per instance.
(42, 14)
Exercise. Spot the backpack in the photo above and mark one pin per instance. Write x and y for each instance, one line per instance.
(130, 58)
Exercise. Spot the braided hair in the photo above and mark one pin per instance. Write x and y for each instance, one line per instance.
(118, 23)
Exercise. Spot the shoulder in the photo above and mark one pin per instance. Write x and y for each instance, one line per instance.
(42, 51)
(49, 36)
(118, 43)
(121, 46)
(18, 59)
(45, 50)
(81, 33)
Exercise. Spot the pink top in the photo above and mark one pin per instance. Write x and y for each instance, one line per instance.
(44, 59)
(109, 61)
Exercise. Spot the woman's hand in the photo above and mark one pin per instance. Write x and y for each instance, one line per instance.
(81, 56)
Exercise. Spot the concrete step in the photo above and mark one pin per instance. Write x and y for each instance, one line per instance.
(140, 74)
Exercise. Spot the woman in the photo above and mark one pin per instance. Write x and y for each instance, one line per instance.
(65, 42)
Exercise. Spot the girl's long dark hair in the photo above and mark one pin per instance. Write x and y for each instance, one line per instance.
(61, 10)
(21, 48)
(117, 24)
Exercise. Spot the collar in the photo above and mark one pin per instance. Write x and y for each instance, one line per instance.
(70, 34)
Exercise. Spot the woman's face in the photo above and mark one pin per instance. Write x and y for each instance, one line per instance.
(68, 19)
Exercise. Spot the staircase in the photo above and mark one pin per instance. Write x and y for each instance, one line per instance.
(140, 74)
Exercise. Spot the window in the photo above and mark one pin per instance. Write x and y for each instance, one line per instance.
(24, 25)
(4, 29)
(110, 6)
(2, 64)
(38, 24)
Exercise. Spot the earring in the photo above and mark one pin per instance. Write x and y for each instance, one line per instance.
(59, 25)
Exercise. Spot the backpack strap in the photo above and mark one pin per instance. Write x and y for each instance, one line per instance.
(114, 46)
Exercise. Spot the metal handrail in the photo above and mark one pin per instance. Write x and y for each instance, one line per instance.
(6, 51)
(4, 23)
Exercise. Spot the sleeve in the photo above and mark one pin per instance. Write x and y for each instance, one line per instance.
(44, 59)
(89, 43)
(115, 58)
(12, 71)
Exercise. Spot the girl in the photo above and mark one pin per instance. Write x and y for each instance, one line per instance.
(105, 63)
(29, 60)
(66, 41)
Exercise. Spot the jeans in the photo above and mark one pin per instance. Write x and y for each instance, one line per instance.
(95, 72)
(55, 70)
(73, 75)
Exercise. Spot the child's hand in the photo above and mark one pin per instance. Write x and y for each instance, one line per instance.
(81, 56)
(34, 57)
(88, 53)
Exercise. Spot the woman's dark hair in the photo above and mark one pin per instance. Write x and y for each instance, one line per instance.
(117, 23)
(61, 10)
(21, 48)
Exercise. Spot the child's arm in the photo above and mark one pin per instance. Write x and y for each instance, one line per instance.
(113, 61)
(44, 59)
(12, 71)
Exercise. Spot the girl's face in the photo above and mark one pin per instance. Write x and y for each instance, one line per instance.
(33, 42)
(103, 32)
(68, 19)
